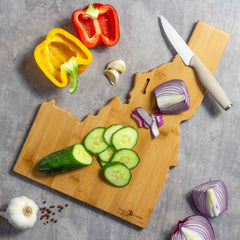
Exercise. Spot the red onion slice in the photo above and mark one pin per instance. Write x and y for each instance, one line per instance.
(172, 97)
(195, 227)
(144, 115)
(154, 127)
(139, 119)
(159, 119)
(211, 198)
(152, 121)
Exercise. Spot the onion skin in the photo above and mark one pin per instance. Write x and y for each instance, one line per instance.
(199, 196)
(197, 224)
(170, 89)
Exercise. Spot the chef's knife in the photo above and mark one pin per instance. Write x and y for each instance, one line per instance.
(190, 59)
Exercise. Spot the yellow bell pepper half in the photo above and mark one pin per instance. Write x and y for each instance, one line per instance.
(61, 57)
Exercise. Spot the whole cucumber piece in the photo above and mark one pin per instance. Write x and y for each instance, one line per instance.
(65, 159)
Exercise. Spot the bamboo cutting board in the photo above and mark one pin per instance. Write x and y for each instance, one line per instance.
(55, 128)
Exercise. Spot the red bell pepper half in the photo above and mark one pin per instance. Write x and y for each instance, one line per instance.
(97, 24)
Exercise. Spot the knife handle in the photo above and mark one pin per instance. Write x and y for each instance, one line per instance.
(210, 83)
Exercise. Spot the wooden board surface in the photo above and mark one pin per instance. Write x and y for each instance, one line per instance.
(55, 128)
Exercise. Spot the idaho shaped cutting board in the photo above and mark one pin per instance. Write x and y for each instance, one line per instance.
(55, 128)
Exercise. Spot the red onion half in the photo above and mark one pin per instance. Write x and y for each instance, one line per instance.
(211, 198)
(172, 97)
(195, 227)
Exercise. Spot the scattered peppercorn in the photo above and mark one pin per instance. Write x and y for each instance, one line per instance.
(47, 212)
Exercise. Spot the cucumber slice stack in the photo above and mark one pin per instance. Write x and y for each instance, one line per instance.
(114, 148)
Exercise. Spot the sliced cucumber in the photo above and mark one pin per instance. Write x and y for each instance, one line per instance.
(66, 159)
(102, 164)
(94, 141)
(106, 155)
(125, 137)
(127, 156)
(109, 132)
(117, 174)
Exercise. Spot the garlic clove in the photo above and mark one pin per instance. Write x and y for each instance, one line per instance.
(112, 75)
(117, 64)
(21, 212)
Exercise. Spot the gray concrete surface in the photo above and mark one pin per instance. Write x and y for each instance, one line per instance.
(209, 143)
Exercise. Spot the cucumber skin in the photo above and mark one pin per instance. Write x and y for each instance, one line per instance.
(110, 164)
(60, 161)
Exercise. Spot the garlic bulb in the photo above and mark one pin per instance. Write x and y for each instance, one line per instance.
(21, 212)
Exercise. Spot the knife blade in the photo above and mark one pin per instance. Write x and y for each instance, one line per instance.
(190, 59)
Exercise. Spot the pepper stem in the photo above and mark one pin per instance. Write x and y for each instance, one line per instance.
(92, 12)
(71, 68)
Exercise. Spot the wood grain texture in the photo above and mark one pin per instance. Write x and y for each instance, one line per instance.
(55, 128)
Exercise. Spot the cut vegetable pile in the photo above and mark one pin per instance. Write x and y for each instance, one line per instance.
(152, 121)
(116, 154)
(113, 146)
(172, 98)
